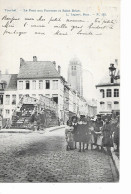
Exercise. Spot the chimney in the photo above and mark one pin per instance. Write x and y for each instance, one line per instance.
(59, 69)
(34, 58)
(54, 63)
(21, 62)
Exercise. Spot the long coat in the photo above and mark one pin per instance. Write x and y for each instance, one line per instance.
(82, 133)
(107, 135)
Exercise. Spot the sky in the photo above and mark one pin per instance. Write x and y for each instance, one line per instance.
(95, 52)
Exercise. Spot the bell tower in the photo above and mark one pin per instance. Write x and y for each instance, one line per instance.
(75, 75)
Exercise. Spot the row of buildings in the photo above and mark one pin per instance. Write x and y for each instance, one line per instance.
(43, 78)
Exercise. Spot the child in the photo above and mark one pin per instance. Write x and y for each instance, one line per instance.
(69, 136)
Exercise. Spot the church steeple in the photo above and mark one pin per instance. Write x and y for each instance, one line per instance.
(75, 75)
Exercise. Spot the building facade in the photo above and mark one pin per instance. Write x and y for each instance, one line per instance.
(41, 78)
(108, 93)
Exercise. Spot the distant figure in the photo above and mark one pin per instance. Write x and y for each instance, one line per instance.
(69, 136)
(117, 135)
(74, 124)
(97, 132)
(107, 136)
(8, 123)
(1, 118)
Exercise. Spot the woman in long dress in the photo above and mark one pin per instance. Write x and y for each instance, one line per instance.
(107, 136)
(69, 136)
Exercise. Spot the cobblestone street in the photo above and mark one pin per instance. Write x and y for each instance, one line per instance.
(42, 157)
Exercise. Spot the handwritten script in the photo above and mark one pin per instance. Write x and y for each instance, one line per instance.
(76, 23)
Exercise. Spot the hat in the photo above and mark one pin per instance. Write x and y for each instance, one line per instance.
(83, 119)
(98, 115)
(74, 117)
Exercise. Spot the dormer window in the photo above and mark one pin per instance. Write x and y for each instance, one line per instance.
(2, 85)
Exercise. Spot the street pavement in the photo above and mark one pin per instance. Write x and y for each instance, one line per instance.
(42, 157)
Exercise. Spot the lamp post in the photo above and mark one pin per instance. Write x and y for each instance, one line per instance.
(112, 71)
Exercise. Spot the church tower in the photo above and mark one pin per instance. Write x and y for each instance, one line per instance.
(75, 75)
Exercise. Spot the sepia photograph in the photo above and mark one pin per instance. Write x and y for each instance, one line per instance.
(60, 91)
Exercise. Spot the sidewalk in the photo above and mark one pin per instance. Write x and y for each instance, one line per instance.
(115, 159)
(30, 131)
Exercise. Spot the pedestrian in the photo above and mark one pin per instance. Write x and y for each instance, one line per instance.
(97, 132)
(1, 118)
(107, 140)
(74, 124)
(69, 136)
(83, 135)
(117, 135)
(92, 126)
(38, 121)
(89, 128)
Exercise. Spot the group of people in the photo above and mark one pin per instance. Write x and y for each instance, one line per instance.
(99, 133)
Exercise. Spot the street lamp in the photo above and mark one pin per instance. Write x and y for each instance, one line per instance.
(112, 71)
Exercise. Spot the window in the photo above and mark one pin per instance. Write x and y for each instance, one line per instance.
(33, 84)
(102, 93)
(55, 84)
(108, 93)
(40, 84)
(20, 85)
(27, 85)
(7, 99)
(116, 105)
(13, 99)
(116, 92)
(74, 67)
(109, 106)
(1, 99)
(102, 105)
(55, 98)
(47, 82)
(7, 112)
(73, 70)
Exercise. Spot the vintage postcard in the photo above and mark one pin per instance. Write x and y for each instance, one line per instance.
(59, 91)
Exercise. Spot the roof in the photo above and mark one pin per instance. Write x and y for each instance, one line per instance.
(106, 81)
(10, 80)
(38, 69)
(12, 83)
(5, 78)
